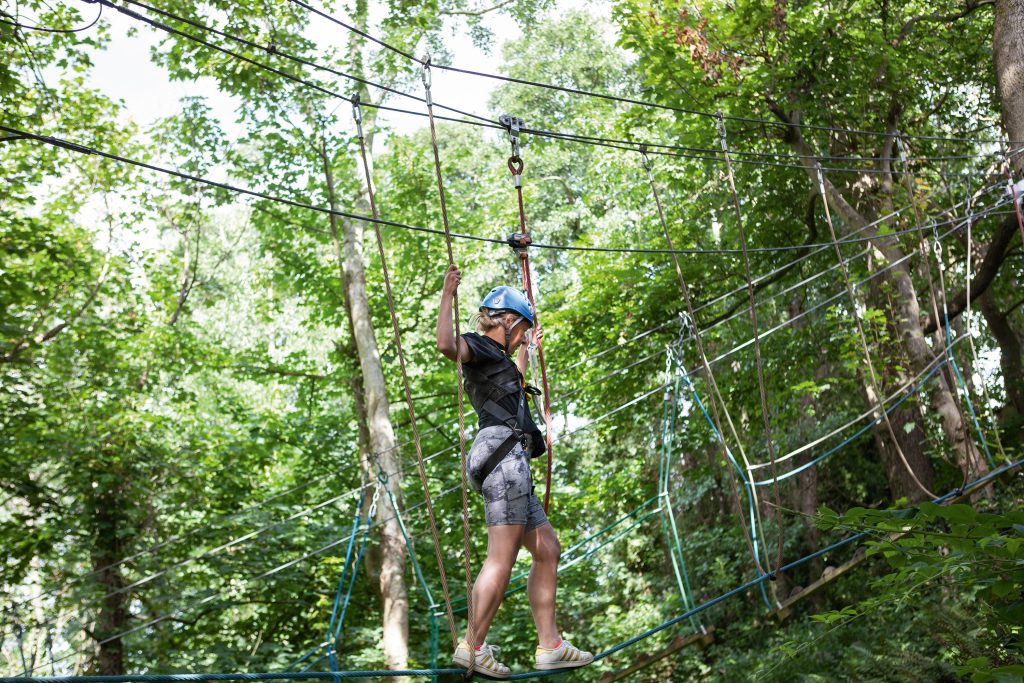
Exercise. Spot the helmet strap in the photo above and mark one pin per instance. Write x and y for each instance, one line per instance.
(508, 331)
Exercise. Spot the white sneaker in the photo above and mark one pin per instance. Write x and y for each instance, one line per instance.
(485, 662)
(565, 656)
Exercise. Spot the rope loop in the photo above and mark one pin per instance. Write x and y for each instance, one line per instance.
(515, 165)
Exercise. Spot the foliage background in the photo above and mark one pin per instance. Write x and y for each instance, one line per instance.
(176, 384)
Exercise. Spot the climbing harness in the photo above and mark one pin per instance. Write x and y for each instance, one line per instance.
(464, 472)
(520, 242)
(488, 385)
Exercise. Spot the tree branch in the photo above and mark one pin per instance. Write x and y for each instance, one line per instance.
(987, 271)
(60, 327)
(479, 12)
(939, 18)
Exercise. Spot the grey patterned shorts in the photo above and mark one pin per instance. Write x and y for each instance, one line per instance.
(508, 492)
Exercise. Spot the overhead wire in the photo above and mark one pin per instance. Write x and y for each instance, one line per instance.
(621, 99)
(718, 299)
(472, 119)
(85, 149)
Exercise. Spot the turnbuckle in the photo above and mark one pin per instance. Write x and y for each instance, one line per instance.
(520, 242)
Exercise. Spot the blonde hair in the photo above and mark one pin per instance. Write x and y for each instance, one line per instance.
(485, 322)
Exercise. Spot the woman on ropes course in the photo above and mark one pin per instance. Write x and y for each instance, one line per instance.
(499, 469)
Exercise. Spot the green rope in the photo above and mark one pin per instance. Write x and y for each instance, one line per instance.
(671, 530)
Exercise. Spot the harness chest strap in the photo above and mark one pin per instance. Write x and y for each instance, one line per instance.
(493, 387)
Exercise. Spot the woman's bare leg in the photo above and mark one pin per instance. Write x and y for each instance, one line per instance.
(543, 545)
(503, 543)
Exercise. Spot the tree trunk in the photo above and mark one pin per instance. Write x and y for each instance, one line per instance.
(805, 493)
(112, 616)
(906, 310)
(1008, 56)
(1010, 360)
(382, 457)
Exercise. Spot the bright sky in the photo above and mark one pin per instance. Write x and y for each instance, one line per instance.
(125, 71)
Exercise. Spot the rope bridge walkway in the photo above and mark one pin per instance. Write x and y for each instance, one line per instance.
(677, 387)
(379, 673)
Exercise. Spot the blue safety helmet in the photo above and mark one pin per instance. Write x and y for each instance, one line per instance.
(505, 298)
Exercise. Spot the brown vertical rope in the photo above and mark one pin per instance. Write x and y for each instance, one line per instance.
(458, 372)
(863, 337)
(922, 242)
(515, 165)
(712, 384)
(357, 114)
(757, 340)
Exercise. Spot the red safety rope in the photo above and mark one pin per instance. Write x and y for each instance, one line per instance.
(520, 243)
(1016, 201)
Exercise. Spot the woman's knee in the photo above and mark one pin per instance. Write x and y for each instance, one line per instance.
(546, 547)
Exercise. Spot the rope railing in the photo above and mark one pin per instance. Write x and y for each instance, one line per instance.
(382, 673)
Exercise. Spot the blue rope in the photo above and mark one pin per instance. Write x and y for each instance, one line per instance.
(847, 441)
(348, 595)
(348, 556)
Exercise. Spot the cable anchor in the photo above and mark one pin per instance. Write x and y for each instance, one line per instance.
(720, 125)
(513, 125)
(646, 161)
(520, 243)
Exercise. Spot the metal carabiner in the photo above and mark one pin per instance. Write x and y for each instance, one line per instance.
(720, 124)
(427, 78)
